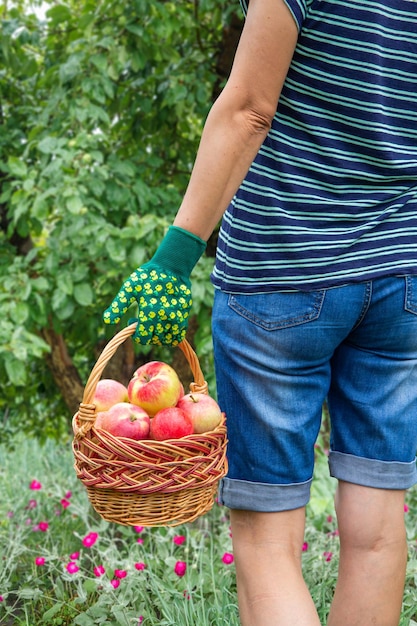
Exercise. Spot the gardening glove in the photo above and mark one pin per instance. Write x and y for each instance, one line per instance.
(162, 289)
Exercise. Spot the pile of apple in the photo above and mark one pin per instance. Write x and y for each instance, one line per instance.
(153, 406)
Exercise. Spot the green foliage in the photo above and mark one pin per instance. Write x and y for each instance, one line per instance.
(101, 107)
(205, 596)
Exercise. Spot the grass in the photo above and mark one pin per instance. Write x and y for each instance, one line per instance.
(61, 564)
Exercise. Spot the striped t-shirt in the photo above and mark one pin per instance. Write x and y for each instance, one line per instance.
(331, 197)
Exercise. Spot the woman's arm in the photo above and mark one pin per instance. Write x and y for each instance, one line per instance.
(241, 117)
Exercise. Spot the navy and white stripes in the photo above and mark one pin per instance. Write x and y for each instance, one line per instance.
(332, 194)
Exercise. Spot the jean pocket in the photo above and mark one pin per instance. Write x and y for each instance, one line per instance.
(278, 310)
(411, 294)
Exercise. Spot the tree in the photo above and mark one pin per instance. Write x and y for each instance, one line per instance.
(101, 109)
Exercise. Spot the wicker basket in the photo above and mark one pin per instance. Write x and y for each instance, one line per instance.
(147, 483)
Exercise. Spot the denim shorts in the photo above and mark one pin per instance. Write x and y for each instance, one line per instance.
(280, 356)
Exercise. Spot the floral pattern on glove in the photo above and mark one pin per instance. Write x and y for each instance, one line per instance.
(164, 302)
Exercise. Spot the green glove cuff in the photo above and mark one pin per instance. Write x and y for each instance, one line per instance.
(179, 252)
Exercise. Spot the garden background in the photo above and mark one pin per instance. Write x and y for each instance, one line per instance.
(101, 109)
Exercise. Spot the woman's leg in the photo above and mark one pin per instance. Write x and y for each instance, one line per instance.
(373, 556)
(267, 549)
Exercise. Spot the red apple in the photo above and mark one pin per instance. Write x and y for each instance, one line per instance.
(154, 386)
(126, 420)
(203, 411)
(99, 419)
(108, 392)
(97, 422)
(170, 423)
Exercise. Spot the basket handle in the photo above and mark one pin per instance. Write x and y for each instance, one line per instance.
(87, 412)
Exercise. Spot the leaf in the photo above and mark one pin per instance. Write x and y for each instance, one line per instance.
(66, 284)
(66, 311)
(28, 593)
(40, 283)
(6, 193)
(137, 255)
(100, 61)
(83, 620)
(48, 145)
(40, 208)
(137, 29)
(89, 585)
(116, 251)
(28, 184)
(59, 13)
(59, 589)
(74, 205)
(17, 167)
(125, 168)
(16, 372)
(70, 69)
(59, 299)
(52, 611)
(83, 294)
(20, 313)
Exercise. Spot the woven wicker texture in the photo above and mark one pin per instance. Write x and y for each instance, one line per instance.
(147, 483)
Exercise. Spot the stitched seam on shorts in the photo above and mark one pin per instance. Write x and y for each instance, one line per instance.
(366, 305)
(410, 304)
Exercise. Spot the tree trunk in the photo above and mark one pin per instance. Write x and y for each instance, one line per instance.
(63, 370)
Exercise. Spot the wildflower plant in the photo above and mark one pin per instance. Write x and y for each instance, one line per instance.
(61, 564)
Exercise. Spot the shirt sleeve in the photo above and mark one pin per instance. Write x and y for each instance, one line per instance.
(298, 9)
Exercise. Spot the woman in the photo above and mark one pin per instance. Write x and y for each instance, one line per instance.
(310, 157)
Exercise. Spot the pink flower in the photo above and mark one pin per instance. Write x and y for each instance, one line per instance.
(32, 504)
(305, 547)
(228, 558)
(178, 540)
(72, 567)
(1, 599)
(406, 509)
(328, 556)
(139, 540)
(115, 583)
(43, 526)
(120, 573)
(138, 529)
(90, 539)
(180, 568)
(140, 619)
(68, 494)
(65, 503)
(74, 556)
(140, 566)
(39, 560)
(99, 570)
(35, 485)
